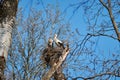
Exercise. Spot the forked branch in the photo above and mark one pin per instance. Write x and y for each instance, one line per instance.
(109, 9)
(55, 66)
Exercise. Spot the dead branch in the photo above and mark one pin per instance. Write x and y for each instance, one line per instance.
(55, 66)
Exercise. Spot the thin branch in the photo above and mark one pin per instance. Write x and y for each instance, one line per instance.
(103, 4)
(100, 34)
(109, 9)
(98, 75)
(113, 21)
(106, 73)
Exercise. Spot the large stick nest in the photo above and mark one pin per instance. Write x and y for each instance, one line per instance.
(51, 55)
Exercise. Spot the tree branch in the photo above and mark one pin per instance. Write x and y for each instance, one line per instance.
(52, 70)
(112, 19)
(100, 34)
(109, 9)
(106, 73)
(98, 75)
(103, 4)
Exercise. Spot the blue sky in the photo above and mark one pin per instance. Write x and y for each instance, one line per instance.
(103, 45)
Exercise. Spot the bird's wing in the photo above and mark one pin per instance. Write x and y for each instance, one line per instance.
(59, 41)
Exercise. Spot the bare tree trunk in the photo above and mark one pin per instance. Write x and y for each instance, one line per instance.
(59, 75)
(8, 9)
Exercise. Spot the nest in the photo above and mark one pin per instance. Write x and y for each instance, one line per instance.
(51, 55)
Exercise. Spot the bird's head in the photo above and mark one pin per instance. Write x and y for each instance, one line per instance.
(50, 40)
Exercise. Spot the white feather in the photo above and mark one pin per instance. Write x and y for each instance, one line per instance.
(57, 41)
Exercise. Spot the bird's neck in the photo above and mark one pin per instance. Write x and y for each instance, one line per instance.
(55, 38)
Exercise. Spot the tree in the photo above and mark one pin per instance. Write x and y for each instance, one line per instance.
(29, 41)
(83, 61)
(8, 11)
(102, 19)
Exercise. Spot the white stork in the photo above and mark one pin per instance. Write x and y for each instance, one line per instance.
(50, 43)
(58, 42)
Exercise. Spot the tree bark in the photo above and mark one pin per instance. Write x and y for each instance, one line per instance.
(8, 9)
(55, 66)
(2, 67)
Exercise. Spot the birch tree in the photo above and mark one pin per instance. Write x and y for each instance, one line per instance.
(8, 9)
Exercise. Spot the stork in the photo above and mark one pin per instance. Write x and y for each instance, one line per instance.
(50, 43)
(58, 42)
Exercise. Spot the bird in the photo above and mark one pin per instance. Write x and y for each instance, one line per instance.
(50, 43)
(58, 42)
